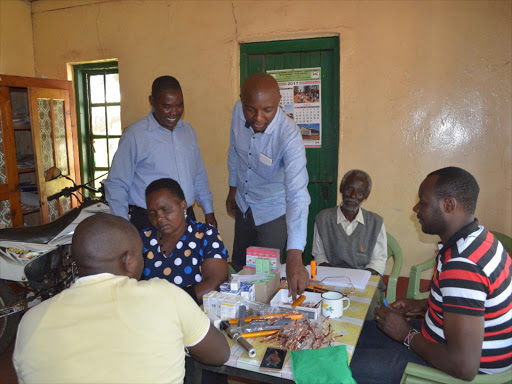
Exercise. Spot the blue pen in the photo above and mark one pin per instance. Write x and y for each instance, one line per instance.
(386, 302)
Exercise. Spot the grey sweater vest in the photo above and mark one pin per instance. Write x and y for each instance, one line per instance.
(354, 251)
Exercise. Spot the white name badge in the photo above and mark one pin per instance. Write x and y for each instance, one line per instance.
(265, 159)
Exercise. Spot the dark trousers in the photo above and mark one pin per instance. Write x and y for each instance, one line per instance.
(139, 217)
(269, 235)
(379, 359)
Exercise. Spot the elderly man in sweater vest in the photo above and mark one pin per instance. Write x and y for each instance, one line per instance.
(348, 236)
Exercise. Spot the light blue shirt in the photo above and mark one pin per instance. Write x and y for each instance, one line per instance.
(269, 171)
(148, 152)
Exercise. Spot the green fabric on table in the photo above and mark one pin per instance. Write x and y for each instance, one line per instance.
(322, 366)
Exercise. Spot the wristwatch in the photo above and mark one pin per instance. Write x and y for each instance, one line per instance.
(408, 339)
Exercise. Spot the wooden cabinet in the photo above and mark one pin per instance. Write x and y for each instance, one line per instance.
(38, 132)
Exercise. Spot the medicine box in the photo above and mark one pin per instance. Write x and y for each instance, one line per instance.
(272, 254)
(282, 300)
(263, 289)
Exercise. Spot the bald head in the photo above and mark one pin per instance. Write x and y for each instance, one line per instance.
(107, 243)
(260, 99)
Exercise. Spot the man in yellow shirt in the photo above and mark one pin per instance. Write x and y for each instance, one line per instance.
(108, 327)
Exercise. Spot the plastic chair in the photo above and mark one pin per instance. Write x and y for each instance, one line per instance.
(413, 289)
(505, 240)
(394, 251)
(416, 374)
(231, 271)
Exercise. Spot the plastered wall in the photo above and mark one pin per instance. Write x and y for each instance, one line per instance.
(424, 84)
(16, 44)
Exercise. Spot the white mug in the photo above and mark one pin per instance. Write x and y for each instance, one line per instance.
(332, 304)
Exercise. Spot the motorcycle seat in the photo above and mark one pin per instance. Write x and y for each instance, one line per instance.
(40, 234)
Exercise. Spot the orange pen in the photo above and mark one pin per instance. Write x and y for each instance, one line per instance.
(251, 335)
(289, 315)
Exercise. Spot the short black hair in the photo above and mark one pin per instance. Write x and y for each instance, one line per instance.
(357, 173)
(164, 82)
(457, 183)
(166, 183)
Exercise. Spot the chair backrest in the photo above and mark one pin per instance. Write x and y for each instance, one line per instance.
(394, 251)
(505, 240)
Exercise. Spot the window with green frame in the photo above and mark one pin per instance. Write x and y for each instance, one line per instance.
(99, 118)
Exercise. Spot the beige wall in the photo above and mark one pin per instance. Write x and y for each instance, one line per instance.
(424, 84)
(16, 44)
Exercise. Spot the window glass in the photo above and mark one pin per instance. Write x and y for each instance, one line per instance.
(114, 120)
(97, 89)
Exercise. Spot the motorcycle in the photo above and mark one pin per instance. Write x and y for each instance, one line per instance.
(36, 262)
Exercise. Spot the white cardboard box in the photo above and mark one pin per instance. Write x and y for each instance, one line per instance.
(282, 300)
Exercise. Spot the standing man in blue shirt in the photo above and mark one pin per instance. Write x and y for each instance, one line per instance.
(268, 178)
(160, 145)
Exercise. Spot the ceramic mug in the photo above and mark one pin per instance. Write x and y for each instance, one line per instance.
(332, 304)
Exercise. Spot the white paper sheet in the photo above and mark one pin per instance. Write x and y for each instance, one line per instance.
(338, 277)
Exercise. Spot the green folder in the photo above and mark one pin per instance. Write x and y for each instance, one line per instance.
(322, 366)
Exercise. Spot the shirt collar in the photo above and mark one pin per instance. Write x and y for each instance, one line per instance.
(90, 277)
(461, 233)
(341, 217)
(153, 124)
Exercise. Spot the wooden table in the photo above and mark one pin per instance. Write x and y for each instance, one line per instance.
(241, 365)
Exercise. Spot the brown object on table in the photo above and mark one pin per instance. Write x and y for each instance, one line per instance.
(303, 335)
(299, 301)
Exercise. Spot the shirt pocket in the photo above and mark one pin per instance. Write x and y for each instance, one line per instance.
(266, 171)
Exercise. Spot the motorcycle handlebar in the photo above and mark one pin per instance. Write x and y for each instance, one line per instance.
(69, 190)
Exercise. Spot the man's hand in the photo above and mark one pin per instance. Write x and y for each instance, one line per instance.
(372, 271)
(410, 307)
(392, 322)
(231, 202)
(210, 219)
(296, 273)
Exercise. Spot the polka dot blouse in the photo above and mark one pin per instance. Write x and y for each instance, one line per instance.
(183, 266)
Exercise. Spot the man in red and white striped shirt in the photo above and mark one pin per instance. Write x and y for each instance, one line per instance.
(468, 315)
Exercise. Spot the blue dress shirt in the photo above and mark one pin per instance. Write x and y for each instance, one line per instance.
(269, 171)
(148, 152)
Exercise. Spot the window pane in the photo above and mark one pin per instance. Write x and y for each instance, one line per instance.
(97, 89)
(113, 143)
(99, 176)
(100, 153)
(113, 95)
(114, 120)
(98, 121)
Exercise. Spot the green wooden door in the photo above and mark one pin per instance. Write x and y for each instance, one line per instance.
(322, 162)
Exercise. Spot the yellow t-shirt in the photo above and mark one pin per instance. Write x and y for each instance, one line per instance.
(109, 329)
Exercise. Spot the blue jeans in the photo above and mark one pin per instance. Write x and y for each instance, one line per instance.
(378, 359)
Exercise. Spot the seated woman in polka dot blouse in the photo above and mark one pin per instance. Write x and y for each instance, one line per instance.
(182, 251)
